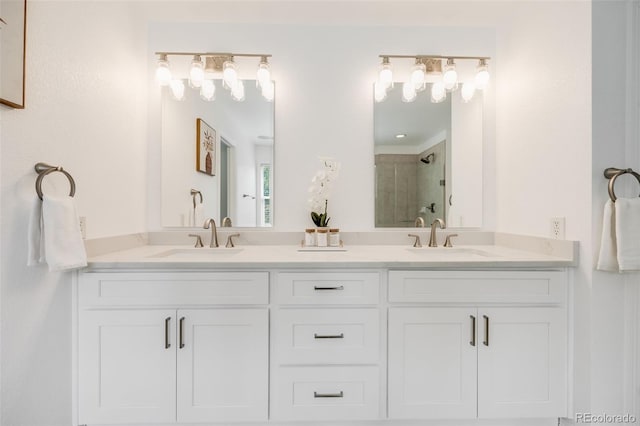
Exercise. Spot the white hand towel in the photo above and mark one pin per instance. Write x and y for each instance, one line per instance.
(627, 228)
(63, 245)
(34, 231)
(607, 260)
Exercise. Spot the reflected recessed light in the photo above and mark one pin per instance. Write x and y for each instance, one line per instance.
(401, 135)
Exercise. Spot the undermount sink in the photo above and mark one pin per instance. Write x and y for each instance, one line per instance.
(450, 251)
(191, 253)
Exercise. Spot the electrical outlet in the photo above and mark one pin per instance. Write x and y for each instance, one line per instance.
(557, 228)
(83, 227)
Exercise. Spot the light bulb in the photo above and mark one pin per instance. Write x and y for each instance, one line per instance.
(408, 92)
(379, 92)
(438, 92)
(229, 73)
(419, 76)
(467, 92)
(482, 75)
(237, 91)
(263, 76)
(450, 76)
(269, 90)
(177, 88)
(196, 73)
(386, 75)
(208, 90)
(163, 73)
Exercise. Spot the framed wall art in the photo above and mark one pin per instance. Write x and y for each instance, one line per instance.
(205, 148)
(13, 29)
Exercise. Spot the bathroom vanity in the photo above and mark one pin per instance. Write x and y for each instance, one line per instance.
(269, 334)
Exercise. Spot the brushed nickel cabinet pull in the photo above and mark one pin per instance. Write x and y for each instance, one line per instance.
(328, 395)
(328, 336)
(486, 330)
(473, 331)
(167, 345)
(181, 333)
(340, 287)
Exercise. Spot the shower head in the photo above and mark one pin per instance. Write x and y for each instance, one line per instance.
(428, 159)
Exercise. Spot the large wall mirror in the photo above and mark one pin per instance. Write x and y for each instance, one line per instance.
(428, 160)
(217, 159)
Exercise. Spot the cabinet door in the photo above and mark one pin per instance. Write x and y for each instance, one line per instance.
(522, 363)
(127, 366)
(223, 365)
(432, 363)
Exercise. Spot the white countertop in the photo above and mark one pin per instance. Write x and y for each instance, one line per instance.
(354, 256)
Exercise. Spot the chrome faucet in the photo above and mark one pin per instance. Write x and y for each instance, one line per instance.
(214, 232)
(419, 223)
(432, 236)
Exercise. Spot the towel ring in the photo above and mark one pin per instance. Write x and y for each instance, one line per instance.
(612, 174)
(195, 192)
(44, 169)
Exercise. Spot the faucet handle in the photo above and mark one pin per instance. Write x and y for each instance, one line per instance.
(198, 240)
(230, 240)
(416, 243)
(447, 241)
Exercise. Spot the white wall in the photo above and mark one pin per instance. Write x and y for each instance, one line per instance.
(86, 111)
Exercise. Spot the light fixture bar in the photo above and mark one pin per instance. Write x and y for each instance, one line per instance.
(226, 54)
(432, 57)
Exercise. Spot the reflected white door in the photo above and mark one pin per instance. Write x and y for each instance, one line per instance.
(223, 365)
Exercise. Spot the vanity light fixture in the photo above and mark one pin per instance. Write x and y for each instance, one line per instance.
(429, 69)
(207, 67)
(401, 135)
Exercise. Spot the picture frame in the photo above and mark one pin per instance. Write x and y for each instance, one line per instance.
(206, 142)
(13, 30)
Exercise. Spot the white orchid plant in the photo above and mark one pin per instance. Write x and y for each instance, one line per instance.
(320, 191)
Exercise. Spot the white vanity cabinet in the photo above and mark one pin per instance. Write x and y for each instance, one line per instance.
(498, 350)
(143, 358)
(326, 346)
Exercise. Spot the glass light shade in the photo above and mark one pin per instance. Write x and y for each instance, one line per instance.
(196, 73)
(468, 90)
(263, 76)
(237, 91)
(229, 73)
(419, 76)
(438, 92)
(482, 75)
(269, 90)
(450, 75)
(408, 92)
(208, 90)
(386, 75)
(379, 92)
(163, 73)
(177, 89)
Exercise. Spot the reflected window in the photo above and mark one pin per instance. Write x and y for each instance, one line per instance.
(265, 194)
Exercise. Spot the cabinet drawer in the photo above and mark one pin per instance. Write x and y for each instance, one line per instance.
(327, 336)
(328, 288)
(173, 288)
(327, 393)
(539, 287)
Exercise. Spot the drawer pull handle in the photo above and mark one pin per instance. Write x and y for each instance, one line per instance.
(328, 336)
(486, 330)
(473, 331)
(181, 333)
(167, 345)
(340, 287)
(328, 395)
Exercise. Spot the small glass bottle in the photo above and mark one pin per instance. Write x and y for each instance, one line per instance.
(321, 237)
(334, 237)
(310, 237)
